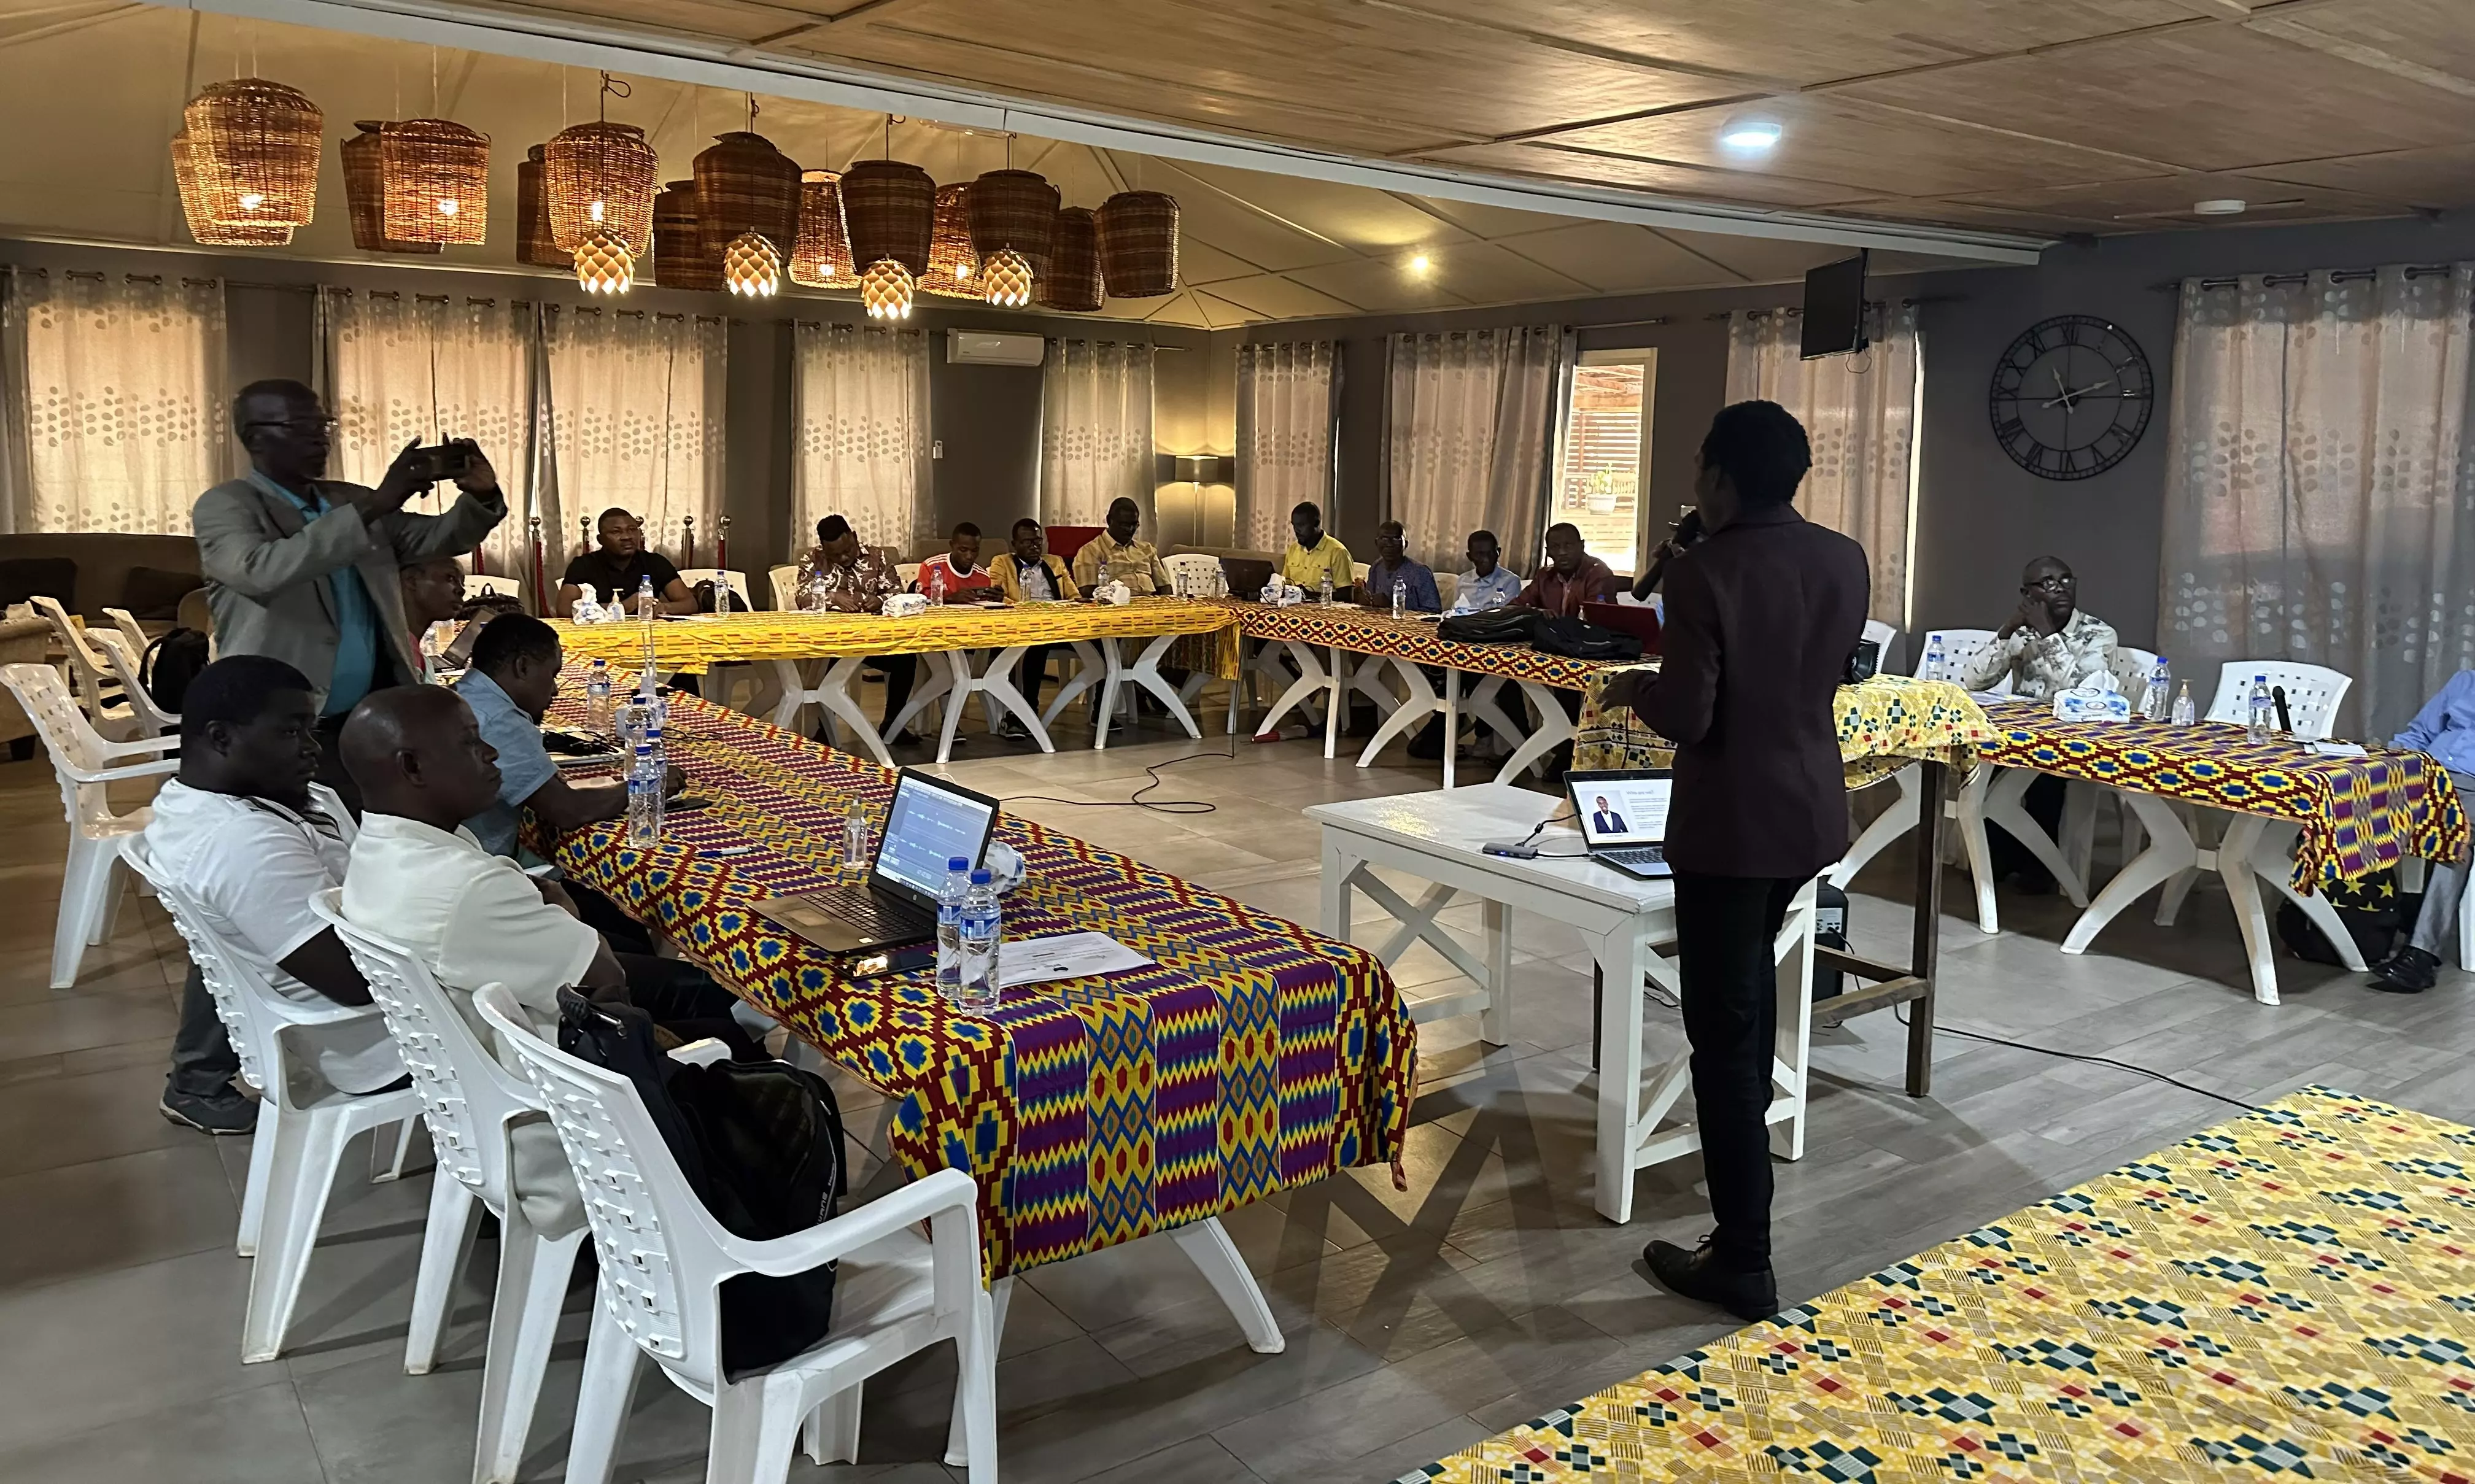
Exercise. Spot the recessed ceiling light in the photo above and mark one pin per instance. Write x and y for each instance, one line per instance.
(1421, 263)
(2222, 206)
(1751, 132)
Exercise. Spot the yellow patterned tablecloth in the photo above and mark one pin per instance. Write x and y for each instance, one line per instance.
(693, 645)
(1375, 631)
(1885, 723)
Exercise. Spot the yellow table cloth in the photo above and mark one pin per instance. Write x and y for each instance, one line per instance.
(1885, 723)
(693, 645)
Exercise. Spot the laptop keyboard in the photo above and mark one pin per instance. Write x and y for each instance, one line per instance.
(866, 913)
(1638, 855)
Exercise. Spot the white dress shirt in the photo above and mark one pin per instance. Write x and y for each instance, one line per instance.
(2039, 664)
(249, 866)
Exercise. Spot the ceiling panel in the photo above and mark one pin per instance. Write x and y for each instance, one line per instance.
(1499, 272)
(1200, 262)
(2133, 202)
(2434, 178)
(1560, 162)
(1250, 235)
(1759, 260)
(1272, 296)
(1382, 286)
(1371, 221)
(1619, 257)
(1486, 221)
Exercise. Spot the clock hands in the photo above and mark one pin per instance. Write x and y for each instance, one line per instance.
(2073, 396)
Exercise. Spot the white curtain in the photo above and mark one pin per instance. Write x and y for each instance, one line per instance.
(118, 416)
(397, 369)
(862, 396)
(634, 408)
(1859, 414)
(1286, 395)
(2321, 484)
(1095, 431)
(1469, 418)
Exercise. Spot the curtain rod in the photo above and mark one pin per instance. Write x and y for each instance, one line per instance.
(1796, 311)
(99, 275)
(2282, 279)
(930, 330)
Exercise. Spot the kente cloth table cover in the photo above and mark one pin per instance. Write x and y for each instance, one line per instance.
(1251, 1056)
(691, 646)
(2282, 1296)
(1375, 631)
(2357, 814)
(1885, 723)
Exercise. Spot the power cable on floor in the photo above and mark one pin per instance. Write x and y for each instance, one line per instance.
(1137, 800)
(1940, 1029)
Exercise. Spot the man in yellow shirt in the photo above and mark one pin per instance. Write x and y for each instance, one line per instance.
(1116, 553)
(1313, 556)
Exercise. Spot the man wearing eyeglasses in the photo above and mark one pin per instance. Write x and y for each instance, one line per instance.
(2049, 646)
(305, 568)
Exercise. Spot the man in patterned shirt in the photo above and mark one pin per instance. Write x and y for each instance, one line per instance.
(855, 578)
(2049, 646)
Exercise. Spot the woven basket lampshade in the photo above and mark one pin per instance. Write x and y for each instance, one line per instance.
(1138, 233)
(207, 232)
(436, 174)
(604, 265)
(1014, 208)
(253, 145)
(1072, 281)
(534, 243)
(366, 197)
(953, 263)
(891, 209)
(679, 258)
(822, 257)
(743, 185)
(601, 178)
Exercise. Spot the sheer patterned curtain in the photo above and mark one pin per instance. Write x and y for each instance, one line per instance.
(1095, 431)
(1470, 415)
(2320, 482)
(1287, 392)
(118, 415)
(634, 407)
(397, 369)
(862, 396)
(1859, 414)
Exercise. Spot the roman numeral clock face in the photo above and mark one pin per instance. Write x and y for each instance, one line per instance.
(2072, 397)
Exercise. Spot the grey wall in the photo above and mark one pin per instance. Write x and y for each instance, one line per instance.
(1980, 516)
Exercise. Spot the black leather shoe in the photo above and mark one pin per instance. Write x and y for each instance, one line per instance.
(1749, 1296)
(2412, 972)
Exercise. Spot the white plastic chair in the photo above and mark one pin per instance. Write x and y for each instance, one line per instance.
(1198, 573)
(1357, 573)
(663, 1259)
(1886, 641)
(908, 571)
(785, 579)
(2313, 695)
(723, 676)
(86, 766)
(297, 1147)
(90, 674)
(1448, 588)
(126, 669)
(469, 1101)
(490, 585)
(130, 628)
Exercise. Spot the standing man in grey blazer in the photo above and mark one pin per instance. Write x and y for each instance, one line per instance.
(305, 568)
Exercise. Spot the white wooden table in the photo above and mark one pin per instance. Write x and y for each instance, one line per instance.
(1435, 837)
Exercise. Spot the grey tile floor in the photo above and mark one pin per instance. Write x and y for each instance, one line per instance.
(1418, 1322)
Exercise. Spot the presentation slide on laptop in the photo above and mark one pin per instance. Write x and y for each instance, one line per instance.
(1626, 812)
(925, 829)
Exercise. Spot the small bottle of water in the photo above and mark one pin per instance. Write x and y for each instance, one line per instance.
(653, 744)
(981, 925)
(949, 927)
(811, 593)
(2185, 713)
(2152, 705)
(855, 843)
(597, 699)
(1932, 668)
(1327, 586)
(2264, 713)
(643, 798)
(645, 600)
(1400, 597)
(937, 584)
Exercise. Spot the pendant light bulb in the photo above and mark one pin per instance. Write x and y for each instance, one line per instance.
(885, 289)
(604, 265)
(752, 266)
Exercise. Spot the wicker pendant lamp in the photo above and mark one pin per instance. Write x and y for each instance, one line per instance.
(822, 257)
(601, 178)
(748, 199)
(534, 243)
(365, 194)
(436, 175)
(254, 146)
(953, 263)
(205, 231)
(1137, 237)
(1014, 208)
(891, 209)
(1072, 281)
(679, 260)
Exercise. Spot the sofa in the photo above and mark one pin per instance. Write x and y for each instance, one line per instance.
(92, 570)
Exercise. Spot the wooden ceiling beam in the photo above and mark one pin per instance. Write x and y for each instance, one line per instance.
(2313, 38)
(867, 11)
(1663, 66)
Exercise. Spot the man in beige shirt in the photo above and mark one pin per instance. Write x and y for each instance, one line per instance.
(1116, 553)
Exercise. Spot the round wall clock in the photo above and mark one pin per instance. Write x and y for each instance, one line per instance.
(2072, 397)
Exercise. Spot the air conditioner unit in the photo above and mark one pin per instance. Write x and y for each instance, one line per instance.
(993, 348)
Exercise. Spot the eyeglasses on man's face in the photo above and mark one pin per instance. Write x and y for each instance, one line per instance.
(2057, 582)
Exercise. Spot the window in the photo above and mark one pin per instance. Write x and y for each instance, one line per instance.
(1603, 455)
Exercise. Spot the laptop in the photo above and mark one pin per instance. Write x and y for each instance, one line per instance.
(931, 822)
(1245, 576)
(1639, 619)
(1623, 815)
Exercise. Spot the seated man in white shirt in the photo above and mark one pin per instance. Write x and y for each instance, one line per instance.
(2049, 644)
(247, 838)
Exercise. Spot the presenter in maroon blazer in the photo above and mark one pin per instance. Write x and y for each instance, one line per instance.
(1762, 616)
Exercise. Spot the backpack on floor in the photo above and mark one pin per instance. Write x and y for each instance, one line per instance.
(761, 1144)
(2373, 911)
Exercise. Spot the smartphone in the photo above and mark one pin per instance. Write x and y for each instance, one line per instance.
(442, 462)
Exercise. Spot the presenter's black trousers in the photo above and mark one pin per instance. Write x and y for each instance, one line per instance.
(1724, 926)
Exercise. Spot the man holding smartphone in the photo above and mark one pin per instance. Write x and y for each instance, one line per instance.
(305, 568)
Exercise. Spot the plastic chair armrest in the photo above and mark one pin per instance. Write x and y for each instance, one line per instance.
(139, 746)
(116, 774)
(944, 1192)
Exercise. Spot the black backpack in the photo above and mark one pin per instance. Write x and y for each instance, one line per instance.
(1582, 640)
(1502, 625)
(761, 1144)
(170, 663)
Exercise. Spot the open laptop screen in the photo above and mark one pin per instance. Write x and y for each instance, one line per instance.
(1620, 807)
(930, 822)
